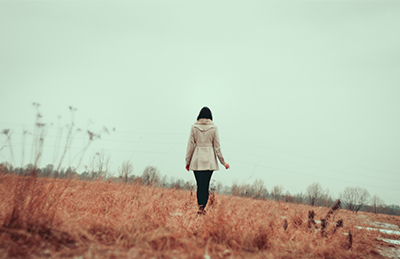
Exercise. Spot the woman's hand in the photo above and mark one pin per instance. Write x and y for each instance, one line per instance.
(187, 167)
(227, 166)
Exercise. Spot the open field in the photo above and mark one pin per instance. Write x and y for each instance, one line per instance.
(42, 218)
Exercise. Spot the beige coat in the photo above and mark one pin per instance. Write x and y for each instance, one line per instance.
(204, 147)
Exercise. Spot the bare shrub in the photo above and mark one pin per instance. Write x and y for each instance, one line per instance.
(354, 198)
(125, 170)
(377, 204)
(276, 193)
(258, 189)
(316, 196)
(100, 164)
(151, 176)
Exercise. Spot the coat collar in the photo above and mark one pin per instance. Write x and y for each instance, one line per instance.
(204, 122)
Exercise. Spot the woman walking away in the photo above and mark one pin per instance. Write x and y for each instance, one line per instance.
(201, 155)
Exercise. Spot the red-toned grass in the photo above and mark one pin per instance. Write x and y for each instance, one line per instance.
(42, 217)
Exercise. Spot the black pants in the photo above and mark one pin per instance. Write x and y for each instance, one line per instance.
(203, 183)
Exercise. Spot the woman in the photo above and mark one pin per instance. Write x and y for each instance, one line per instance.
(201, 155)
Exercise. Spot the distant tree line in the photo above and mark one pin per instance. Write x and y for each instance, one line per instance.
(352, 198)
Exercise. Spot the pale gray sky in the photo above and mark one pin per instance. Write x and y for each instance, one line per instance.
(302, 91)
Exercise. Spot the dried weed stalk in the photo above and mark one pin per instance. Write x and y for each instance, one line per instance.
(311, 221)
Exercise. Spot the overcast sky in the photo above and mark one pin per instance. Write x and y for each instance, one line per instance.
(301, 92)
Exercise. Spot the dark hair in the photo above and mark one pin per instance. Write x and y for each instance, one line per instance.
(205, 113)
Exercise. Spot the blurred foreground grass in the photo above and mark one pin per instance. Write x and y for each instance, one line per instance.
(58, 218)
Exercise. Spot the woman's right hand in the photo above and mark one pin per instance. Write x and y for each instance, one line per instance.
(227, 166)
(187, 167)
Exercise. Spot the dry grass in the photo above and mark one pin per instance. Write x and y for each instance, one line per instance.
(68, 218)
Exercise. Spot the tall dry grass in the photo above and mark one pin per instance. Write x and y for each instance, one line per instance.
(58, 218)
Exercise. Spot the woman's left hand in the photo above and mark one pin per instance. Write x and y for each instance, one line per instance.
(187, 167)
